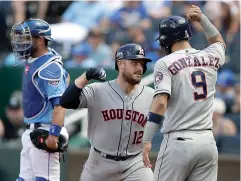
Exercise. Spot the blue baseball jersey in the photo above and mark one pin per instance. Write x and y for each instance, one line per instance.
(44, 82)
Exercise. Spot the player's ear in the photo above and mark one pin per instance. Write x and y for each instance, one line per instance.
(120, 64)
(41, 40)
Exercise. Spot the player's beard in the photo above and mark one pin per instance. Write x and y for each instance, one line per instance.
(34, 49)
(130, 78)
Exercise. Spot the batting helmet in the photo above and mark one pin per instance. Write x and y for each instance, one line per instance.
(22, 33)
(171, 30)
(131, 51)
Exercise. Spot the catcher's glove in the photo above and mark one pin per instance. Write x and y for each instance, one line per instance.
(39, 136)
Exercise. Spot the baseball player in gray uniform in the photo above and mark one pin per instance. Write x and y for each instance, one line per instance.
(184, 92)
(117, 115)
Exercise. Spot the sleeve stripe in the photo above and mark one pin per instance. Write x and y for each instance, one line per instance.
(162, 91)
(221, 45)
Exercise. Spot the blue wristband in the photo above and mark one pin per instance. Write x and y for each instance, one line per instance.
(55, 130)
(156, 118)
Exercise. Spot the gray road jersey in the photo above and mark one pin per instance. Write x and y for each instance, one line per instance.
(115, 120)
(189, 76)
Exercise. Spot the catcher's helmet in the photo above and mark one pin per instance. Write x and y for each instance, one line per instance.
(39, 27)
(171, 30)
(22, 33)
(131, 51)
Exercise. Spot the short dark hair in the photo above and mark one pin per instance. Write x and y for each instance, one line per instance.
(46, 42)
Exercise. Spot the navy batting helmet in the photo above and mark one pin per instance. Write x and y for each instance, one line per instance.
(171, 30)
(131, 51)
(22, 33)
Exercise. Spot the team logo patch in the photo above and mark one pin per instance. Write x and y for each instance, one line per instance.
(120, 55)
(158, 77)
(54, 83)
(142, 51)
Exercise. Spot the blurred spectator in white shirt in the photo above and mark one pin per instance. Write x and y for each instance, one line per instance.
(158, 9)
(77, 20)
(222, 126)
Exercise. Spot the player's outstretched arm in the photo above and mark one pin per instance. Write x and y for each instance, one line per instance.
(155, 120)
(211, 32)
(70, 98)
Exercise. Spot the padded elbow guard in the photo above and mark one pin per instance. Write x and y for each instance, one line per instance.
(70, 98)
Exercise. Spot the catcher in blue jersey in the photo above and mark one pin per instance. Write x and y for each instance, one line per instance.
(44, 81)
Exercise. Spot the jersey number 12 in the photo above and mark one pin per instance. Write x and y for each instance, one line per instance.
(137, 137)
(199, 81)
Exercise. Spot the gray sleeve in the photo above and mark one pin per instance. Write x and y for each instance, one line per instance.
(162, 78)
(87, 96)
(218, 50)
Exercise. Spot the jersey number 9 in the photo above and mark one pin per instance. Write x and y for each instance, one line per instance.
(199, 81)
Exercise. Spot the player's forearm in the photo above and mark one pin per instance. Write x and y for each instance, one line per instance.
(156, 116)
(211, 32)
(159, 104)
(81, 81)
(58, 115)
(150, 130)
(57, 120)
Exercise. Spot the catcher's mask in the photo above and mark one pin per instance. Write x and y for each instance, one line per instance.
(21, 41)
(21, 37)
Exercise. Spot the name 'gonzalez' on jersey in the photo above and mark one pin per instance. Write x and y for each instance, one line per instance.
(189, 76)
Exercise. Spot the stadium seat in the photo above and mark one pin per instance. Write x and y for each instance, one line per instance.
(235, 118)
(228, 144)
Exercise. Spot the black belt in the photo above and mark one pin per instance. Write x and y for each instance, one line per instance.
(116, 158)
(36, 125)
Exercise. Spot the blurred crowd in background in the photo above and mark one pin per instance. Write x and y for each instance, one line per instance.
(87, 34)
